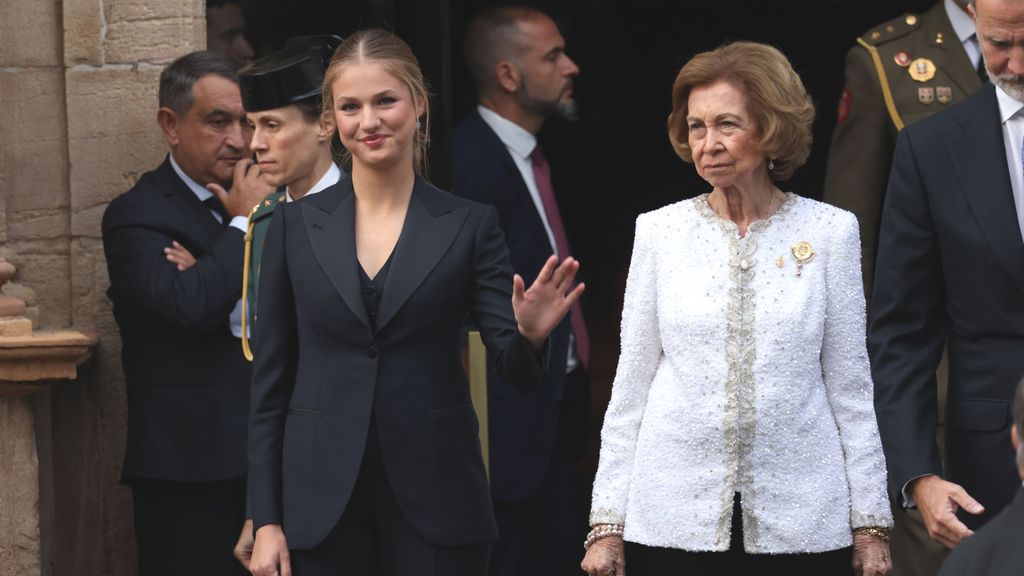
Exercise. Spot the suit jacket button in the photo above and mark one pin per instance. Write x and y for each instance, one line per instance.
(371, 351)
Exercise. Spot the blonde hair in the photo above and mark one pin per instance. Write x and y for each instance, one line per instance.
(395, 56)
(776, 98)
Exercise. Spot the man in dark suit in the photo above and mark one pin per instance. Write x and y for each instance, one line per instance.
(885, 91)
(186, 377)
(522, 74)
(998, 548)
(951, 267)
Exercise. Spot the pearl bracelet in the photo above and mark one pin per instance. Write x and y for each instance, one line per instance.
(600, 531)
(880, 532)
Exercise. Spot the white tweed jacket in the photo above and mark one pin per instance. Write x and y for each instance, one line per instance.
(743, 370)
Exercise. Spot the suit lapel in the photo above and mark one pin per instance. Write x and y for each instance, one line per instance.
(978, 156)
(428, 232)
(330, 225)
(527, 207)
(193, 210)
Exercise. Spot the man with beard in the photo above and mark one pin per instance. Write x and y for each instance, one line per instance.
(522, 74)
(951, 267)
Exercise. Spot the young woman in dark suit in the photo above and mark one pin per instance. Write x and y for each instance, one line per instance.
(363, 447)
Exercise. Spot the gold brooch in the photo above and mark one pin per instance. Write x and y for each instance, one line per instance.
(804, 253)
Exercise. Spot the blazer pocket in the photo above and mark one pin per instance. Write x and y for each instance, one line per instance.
(441, 412)
(304, 411)
(977, 414)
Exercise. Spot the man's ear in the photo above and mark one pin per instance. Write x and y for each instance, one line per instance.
(168, 121)
(507, 75)
(326, 127)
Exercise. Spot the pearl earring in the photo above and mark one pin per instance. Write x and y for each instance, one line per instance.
(771, 164)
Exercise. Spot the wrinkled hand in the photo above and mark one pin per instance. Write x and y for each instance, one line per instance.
(938, 501)
(270, 552)
(606, 557)
(243, 548)
(539, 309)
(870, 556)
(247, 189)
(178, 255)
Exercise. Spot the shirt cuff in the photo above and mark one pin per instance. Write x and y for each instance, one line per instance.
(240, 222)
(908, 500)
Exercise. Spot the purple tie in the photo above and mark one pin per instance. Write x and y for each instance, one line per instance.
(542, 176)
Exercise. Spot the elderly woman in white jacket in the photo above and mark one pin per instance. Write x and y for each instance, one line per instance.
(741, 437)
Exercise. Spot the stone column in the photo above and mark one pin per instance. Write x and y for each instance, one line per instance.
(29, 364)
(78, 85)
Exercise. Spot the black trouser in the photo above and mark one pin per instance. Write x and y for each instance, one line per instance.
(188, 527)
(373, 538)
(543, 536)
(650, 561)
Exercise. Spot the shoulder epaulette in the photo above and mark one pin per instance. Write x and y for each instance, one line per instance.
(266, 206)
(891, 30)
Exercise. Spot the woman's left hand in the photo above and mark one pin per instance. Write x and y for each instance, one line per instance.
(870, 556)
(539, 309)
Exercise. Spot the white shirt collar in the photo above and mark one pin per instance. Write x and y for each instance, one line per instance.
(962, 23)
(512, 135)
(1008, 105)
(330, 178)
(199, 190)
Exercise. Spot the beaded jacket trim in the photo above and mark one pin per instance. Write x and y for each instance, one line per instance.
(741, 351)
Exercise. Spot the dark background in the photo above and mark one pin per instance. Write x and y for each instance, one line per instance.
(616, 161)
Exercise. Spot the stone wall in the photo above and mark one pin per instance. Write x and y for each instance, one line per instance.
(78, 84)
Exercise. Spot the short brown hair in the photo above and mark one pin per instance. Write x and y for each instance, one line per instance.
(391, 52)
(776, 97)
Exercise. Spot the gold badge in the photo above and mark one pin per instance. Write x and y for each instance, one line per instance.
(922, 69)
(911, 20)
(944, 94)
(875, 35)
(804, 253)
(902, 59)
(266, 202)
(926, 94)
(938, 38)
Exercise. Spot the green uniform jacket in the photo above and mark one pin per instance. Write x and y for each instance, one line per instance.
(259, 221)
(881, 98)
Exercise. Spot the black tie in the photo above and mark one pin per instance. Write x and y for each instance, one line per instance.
(214, 203)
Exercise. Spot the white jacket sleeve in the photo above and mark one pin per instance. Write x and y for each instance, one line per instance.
(638, 361)
(847, 376)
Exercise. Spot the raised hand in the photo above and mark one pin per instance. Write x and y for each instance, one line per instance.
(539, 309)
(247, 189)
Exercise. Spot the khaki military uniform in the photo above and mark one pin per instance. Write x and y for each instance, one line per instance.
(259, 221)
(898, 73)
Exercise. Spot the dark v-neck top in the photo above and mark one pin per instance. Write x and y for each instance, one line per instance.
(373, 288)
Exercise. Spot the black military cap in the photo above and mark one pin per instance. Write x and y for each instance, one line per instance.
(289, 75)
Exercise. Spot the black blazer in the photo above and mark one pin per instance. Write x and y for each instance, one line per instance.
(320, 370)
(523, 427)
(187, 381)
(995, 550)
(950, 266)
